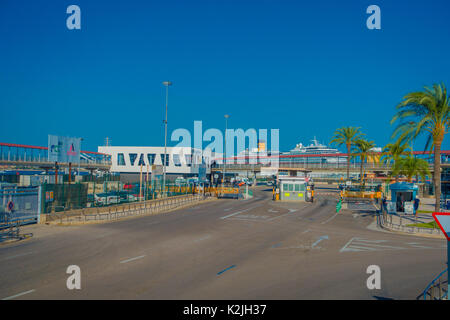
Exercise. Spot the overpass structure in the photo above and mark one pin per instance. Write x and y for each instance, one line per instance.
(291, 163)
(26, 156)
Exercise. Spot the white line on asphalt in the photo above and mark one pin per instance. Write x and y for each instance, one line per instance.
(132, 259)
(278, 216)
(16, 256)
(343, 248)
(204, 238)
(18, 295)
(375, 245)
(361, 248)
(237, 212)
(370, 241)
(306, 231)
(334, 216)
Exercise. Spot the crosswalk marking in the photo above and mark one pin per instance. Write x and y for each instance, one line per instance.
(360, 244)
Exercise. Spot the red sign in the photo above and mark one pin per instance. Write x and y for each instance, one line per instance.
(443, 221)
(10, 206)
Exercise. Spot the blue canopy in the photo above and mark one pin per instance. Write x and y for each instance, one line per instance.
(403, 186)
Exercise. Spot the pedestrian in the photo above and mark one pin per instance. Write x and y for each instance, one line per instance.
(416, 205)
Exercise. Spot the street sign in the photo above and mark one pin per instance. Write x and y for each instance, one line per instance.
(443, 221)
(63, 149)
(409, 207)
(391, 207)
(339, 206)
(10, 206)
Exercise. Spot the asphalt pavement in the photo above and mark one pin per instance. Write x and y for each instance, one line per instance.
(224, 249)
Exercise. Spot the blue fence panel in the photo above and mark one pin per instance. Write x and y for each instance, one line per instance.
(25, 204)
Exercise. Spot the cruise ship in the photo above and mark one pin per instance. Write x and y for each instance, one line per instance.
(314, 148)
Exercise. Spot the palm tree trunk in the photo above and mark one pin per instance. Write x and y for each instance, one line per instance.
(348, 161)
(437, 174)
(361, 170)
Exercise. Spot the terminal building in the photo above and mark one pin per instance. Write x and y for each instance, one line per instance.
(179, 161)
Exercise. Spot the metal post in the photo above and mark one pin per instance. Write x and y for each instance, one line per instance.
(70, 172)
(224, 151)
(167, 84)
(56, 172)
(448, 272)
(140, 185)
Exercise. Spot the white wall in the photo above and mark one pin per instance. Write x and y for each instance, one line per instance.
(184, 168)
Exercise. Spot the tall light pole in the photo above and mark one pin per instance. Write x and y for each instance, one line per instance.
(224, 150)
(167, 84)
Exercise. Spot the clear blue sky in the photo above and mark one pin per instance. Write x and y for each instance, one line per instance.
(305, 67)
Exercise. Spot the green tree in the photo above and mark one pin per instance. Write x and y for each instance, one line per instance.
(363, 148)
(347, 136)
(393, 152)
(410, 166)
(425, 112)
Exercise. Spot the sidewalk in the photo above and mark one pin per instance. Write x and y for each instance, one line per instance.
(405, 223)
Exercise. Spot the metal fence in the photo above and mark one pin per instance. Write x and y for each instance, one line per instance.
(436, 289)
(385, 220)
(64, 197)
(125, 210)
(18, 206)
(25, 202)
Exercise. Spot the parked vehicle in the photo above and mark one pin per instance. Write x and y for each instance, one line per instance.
(104, 199)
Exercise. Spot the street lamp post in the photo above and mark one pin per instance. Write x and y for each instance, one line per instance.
(224, 150)
(166, 84)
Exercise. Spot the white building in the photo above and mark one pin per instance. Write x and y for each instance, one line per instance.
(179, 160)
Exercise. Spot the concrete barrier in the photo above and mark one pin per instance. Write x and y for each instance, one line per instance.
(111, 213)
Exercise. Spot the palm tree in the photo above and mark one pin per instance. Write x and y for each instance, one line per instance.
(428, 112)
(347, 136)
(410, 166)
(393, 152)
(363, 147)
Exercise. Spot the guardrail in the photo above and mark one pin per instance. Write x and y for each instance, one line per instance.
(361, 194)
(286, 165)
(120, 211)
(10, 228)
(436, 289)
(385, 220)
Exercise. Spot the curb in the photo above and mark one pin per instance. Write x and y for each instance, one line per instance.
(78, 223)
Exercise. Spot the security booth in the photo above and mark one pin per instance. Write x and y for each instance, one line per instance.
(403, 195)
(292, 188)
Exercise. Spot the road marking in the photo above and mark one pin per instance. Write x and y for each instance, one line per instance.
(237, 212)
(317, 242)
(370, 241)
(334, 216)
(306, 231)
(344, 247)
(204, 238)
(360, 244)
(19, 294)
(132, 259)
(271, 210)
(219, 273)
(16, 256)
(227, 209)
(279, 216)
(418, 245)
